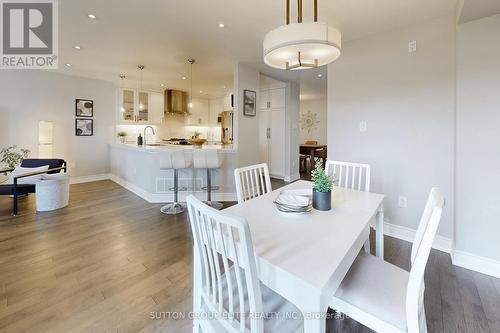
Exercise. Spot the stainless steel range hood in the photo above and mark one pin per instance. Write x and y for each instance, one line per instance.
(176, 102)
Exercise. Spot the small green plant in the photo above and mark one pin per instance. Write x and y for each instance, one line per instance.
(12, 156)
(122, 134)
(321, 181)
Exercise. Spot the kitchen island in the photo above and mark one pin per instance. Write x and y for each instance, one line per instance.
(137, 168)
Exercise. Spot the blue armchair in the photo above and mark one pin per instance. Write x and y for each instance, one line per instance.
(15, 189)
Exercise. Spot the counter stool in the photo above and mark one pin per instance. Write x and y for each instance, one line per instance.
(174, 160)
(208, 159)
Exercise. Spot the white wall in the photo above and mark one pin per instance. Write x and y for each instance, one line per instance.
(318, 107)
(408, 102)
(478, 138)
(27, 97)
(292, 130)
(246, 128)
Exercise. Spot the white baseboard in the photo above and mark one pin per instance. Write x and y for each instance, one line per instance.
(87, 179)
(169, 197)
(440, 243)
(459, 258)
(476, 263)
(292, 178)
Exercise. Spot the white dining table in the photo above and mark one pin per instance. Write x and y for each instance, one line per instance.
(305, 257)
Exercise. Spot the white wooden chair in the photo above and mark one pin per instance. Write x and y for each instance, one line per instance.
(391, 300)
(252, 181)
(349, 175)
(226, 282)
(354, 176)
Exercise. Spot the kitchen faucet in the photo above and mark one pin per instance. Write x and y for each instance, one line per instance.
(145, 128)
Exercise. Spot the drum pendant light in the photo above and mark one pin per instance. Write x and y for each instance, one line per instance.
(301, 45)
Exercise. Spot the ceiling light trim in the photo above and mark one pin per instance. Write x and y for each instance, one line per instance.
(311, 41)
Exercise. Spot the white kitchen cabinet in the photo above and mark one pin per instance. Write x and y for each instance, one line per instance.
(277, 143)
(264, 128)
(142, 107)
(127, 106)
(273, 98)
(265, 101)
(272, 130)
(277, 98)
(143, 112)
(157, 102)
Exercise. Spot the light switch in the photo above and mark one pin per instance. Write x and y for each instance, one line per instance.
(363, 126)
(403, 202)
(412, 46)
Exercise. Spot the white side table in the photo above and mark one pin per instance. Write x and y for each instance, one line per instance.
(52, 192)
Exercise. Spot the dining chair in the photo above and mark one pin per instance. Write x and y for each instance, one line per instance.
(391, 300)
(321, 155)
(311, 142)
(354, 176)
(227, 293)
(252, 181)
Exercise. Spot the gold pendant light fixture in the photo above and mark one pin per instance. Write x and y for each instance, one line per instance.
(191, 62)
(141, 106)
(301, 45)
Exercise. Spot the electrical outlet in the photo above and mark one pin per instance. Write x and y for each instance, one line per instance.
(363, 126)
(403, 202)
(412, 46)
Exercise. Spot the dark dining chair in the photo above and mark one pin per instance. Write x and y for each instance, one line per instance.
(16, 190)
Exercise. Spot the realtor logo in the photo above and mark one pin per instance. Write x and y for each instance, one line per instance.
(29, 34)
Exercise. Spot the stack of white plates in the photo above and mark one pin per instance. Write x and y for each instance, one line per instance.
(290, 203)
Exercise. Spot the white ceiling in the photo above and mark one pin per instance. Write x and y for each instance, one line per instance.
(476, 9)
(163, 34)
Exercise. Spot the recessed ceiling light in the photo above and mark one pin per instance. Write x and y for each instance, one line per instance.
(221, 25)
(184, 77)
(91, 16)
(68, 65)
(224, 87)
(320, 75)
(162, 85)
(77, 47)
(201, 91)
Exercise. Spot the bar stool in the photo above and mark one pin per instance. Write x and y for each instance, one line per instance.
(174, 160)
(208, 159)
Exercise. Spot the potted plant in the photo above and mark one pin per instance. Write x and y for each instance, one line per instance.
(122, 135)
(322, 188)
(12, 157)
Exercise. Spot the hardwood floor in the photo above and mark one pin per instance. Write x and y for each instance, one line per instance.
(110, 259)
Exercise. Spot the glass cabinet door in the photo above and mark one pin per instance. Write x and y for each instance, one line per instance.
(143, 114)
(128, 105)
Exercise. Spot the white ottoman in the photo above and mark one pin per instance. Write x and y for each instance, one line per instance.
(52, 192)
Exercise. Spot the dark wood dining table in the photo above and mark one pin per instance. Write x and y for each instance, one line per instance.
(306, 149)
